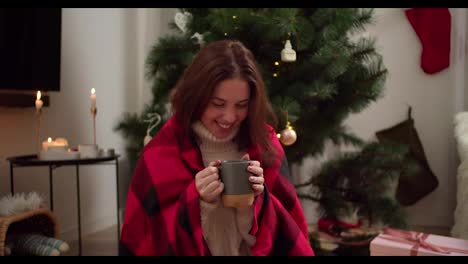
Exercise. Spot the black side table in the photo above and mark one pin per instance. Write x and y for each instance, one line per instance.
(32, 161)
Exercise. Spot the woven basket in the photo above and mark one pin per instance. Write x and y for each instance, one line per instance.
(41, 220)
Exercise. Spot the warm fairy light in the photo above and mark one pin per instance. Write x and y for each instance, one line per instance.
(275, 74)
(276, 63)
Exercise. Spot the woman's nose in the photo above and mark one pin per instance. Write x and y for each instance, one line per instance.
(229, 115)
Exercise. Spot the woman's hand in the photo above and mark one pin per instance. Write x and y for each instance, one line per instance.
(256, 179)
(208, 183)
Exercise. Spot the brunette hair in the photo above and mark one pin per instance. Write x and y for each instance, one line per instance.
(214, 63)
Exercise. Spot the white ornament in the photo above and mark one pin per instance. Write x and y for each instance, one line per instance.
(199, 38)
(288, 54)
(147, 139)
(153, 119)
(181, 20)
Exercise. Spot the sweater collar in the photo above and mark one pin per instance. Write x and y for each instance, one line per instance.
(191, 154)
(209, 142)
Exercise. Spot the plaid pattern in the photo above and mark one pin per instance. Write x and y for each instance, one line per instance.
(163, 210)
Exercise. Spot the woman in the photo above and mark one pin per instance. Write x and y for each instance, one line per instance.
(220, 113)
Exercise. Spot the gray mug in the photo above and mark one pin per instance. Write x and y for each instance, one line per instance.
(237, 187)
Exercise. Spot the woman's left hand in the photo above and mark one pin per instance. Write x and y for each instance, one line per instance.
(256, 179)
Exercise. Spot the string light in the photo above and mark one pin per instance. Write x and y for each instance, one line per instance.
(234, 17)
(276, 63)
(275, 74)
(225, 34)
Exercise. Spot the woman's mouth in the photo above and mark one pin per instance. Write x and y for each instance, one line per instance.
(225, 126)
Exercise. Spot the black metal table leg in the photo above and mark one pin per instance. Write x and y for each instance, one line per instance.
(32, 160)
(12, 190)
(79, 207)
(118, 199)
(51, 189)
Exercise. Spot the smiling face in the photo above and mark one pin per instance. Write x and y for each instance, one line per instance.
(227, 107)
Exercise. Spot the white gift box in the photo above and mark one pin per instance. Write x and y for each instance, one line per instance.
(395, 242)
(88, 151)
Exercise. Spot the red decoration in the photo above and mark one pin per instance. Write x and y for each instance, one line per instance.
(432, 25)
(332, 226)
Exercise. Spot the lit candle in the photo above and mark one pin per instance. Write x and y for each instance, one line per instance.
(60, 144)
(46, 144)
(38, 101)
(93, 98)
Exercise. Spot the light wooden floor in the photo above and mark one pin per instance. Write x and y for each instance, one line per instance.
(104, 242)
(101, 243)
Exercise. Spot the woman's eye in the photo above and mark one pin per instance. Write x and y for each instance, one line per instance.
(242, 105)
(217, 104)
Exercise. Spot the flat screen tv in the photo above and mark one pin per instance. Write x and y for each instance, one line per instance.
(30, 45)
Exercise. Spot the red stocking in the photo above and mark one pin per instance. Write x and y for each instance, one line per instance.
(432, 25)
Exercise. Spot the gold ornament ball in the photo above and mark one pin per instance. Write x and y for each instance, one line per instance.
(288, 136)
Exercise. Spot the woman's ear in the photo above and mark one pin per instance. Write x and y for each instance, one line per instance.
(246, 157)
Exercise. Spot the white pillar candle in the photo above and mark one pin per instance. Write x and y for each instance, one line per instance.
(61, 144)
(46, 144)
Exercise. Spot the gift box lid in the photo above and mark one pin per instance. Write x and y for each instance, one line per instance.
(405, 243)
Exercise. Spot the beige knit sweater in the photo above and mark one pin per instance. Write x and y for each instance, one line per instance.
(225, 229)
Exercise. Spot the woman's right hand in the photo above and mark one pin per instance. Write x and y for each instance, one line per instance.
(207, 182)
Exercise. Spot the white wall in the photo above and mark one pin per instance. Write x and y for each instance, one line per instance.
(102, 48)
(433, 98)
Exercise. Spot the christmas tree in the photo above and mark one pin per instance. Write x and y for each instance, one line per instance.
(316, 65)
(363, 183)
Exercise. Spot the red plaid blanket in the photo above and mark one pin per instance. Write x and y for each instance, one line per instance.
(162, 215)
